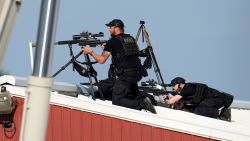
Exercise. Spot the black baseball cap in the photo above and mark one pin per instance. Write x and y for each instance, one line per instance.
(176, 80)
(116, 22)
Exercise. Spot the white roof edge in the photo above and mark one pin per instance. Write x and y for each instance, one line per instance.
(166, 118)
(22, 81)
(239, 104)
(68, 87)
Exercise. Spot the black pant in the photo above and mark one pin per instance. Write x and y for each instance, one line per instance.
(209, 107)
(124, 90)
(106, 86)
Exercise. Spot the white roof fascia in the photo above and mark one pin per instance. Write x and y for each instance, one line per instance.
(22, 81)
(165, 118)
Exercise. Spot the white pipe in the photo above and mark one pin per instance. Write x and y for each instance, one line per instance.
(36, 109)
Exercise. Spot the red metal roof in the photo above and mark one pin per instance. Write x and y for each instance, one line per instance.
(67, 124)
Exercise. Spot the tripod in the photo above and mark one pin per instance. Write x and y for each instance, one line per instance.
(149, 49)
(90, 71)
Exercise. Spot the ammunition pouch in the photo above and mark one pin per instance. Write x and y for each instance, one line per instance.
(112, 71)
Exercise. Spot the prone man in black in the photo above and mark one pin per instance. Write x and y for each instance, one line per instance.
(127, 67)
(206, 101)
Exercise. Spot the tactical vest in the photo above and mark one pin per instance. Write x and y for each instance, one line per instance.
(129, 44)
(200, 92)
(129, 48)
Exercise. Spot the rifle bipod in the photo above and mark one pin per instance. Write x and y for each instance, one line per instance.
(89, 72)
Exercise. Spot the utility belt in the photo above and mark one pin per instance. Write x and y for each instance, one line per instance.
(130, 71)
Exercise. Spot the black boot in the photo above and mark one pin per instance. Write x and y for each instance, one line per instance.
(147, 105)
(225, 114)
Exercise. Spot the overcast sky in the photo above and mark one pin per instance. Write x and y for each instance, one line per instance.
(204, 41)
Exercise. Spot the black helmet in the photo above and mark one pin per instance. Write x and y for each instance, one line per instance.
(176, 80)
(116, 22)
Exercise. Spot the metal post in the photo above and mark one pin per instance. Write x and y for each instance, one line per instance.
(8, 12)
(36, 106)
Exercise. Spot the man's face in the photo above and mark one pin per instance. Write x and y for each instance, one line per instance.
(112, 30)
(176, 88)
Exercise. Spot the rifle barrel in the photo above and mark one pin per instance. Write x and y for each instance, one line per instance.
(82, 42)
